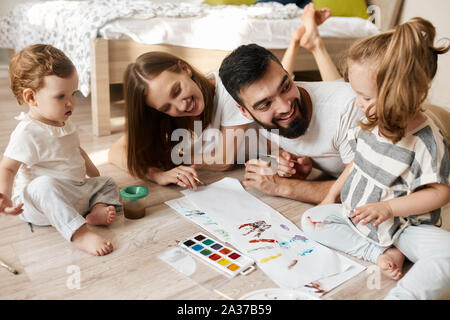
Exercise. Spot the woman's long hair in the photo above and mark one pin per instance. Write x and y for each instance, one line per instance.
(406, 63)
(148, 130)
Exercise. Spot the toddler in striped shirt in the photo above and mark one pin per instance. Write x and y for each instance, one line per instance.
(393, 190)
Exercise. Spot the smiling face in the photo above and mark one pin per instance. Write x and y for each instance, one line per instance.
(362, 80)
(175, 94)
(274, 102)
(54, 103)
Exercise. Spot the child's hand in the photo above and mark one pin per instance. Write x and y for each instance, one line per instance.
(290, 165)
(6, 206)
(380, 211)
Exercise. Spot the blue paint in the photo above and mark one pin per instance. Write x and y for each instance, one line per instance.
(197, 247)
(305, 252)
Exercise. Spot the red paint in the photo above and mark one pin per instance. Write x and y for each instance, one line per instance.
(234, 255)
(314, 223)
(214, 257)
(262, 240)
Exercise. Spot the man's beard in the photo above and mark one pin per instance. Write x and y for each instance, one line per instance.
(296, 128)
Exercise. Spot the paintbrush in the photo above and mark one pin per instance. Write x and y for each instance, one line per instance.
(198, 180)
(10, 269)
(181, 153)
(272, 156)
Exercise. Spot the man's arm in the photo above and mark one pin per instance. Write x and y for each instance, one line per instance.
(303, 190)
(259, 175)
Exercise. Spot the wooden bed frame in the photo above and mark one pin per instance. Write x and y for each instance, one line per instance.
(109, 59)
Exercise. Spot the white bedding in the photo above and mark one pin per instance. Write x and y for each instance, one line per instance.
(69, 25)
(227, 32)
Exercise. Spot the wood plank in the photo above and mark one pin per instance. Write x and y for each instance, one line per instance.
(100, 98)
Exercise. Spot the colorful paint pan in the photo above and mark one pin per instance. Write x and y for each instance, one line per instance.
(218, 255)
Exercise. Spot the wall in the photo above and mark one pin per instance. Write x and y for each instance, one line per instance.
(437, 12)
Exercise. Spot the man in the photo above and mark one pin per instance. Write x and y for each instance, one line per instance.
(312, 119)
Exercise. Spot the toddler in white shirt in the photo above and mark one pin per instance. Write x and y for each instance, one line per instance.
(43, 171)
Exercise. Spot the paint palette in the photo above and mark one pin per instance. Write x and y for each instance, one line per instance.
(220, 256)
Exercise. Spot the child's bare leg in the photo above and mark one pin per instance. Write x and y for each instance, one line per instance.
(391, 263)
(90, 242)
(101, 215)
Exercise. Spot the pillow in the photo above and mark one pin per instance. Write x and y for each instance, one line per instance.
(344, 8)
(299, 3)
(233, 2)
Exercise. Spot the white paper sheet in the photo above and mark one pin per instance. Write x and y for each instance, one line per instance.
(278, 246)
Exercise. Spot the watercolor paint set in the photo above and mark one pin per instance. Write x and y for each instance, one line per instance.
(220, 256)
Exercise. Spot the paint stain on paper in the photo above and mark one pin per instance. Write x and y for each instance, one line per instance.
(223, 233)
(299, 238)
(261, 248)
(194, 213)
(284, 244)
(264, 260)
(317, 286)
(287, 244)
(199, 214)
(285, 227)
(258, 227)
(305, 252)
(262, 240)
(293, 263)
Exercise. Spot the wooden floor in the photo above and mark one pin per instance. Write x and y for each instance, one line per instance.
(46, 263)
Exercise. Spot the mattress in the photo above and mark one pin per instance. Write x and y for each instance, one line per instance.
(227, 32)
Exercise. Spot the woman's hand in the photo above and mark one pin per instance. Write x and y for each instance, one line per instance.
(292, 166)
(7, 206)
(182, 176)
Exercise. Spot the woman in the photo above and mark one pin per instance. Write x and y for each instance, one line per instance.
(164, 93)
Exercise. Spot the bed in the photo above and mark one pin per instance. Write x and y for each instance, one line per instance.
(103, 36)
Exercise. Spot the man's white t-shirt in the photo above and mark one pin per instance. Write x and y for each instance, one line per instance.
(45, 150)
(225, 114)
(333, 113)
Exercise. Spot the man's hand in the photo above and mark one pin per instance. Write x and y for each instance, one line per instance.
(261, 176)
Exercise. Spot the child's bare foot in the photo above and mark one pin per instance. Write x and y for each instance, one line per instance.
(90, 242)
(391, 263)
(311, 19)
(101, 215)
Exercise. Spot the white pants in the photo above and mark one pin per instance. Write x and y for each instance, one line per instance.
(428, 247)
(63, 203)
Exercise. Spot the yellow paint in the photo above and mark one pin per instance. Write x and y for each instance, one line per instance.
(224, 262)
(269, 258)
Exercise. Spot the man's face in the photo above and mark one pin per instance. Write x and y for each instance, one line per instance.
(274, 102)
